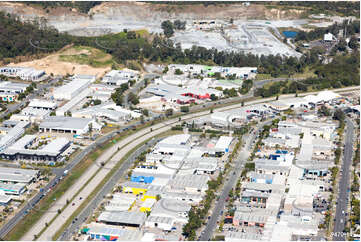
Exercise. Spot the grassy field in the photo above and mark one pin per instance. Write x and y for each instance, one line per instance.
(306, 74)
(87, 56)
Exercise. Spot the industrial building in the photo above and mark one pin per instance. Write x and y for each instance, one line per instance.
(181, 95)
(68, 125)
(120, 202)
(109, 111)
(110, 233)
(5, 200)
(9, 91)
(61, 111)
(70, 90)
(15, 175)
(237, 72)
(123, 218)
(164, 223)
(189, 183)
(172, 208)
(42, 104)
(32, 115)
(24, 73)
(20, 150)
(13, 134)
(119, 77)
(13, 189)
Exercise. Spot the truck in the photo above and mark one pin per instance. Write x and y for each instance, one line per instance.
(66, 172)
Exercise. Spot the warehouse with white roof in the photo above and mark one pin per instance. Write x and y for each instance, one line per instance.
(24, 73)
(42, 104)
(68, 125)
(16, 175)
(50, 152)
(223, 144)
(13, 134)
(73, 88)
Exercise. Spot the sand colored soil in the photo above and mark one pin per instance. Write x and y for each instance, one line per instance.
(53, 64)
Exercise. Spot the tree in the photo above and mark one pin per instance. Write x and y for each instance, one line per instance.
(180, 25)
(131, 35)
(178, 72)
(353, 44)
(339, 115)
(90, 128)
(324, 111)
(166, 69)
(133, 98)
(213, 97)
(52, 113)
(97, 102)
(145, 112)
(341, 46)
(169, 112)
(184, 109)
(167, 27)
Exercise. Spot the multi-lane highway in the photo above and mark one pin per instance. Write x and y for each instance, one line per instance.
(108, 187)
(11, 223)
(344, 185)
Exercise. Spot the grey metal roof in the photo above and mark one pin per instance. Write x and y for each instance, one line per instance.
(123, 217)
(17, 175)
(69, 123)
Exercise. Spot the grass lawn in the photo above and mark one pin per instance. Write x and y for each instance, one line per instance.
(88, 56)
(306, 74)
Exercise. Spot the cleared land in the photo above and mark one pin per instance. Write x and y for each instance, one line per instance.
(73, 60)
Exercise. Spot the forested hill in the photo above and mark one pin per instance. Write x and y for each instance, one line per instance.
(21, 39)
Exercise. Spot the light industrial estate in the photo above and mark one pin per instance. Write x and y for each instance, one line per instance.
(179, 121)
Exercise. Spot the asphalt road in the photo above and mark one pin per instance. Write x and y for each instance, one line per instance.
(108, 187)
(6, 228)
(344, 185)
(40, 90)
(231, 182)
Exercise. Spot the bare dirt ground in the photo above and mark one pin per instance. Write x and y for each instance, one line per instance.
(115, 16)
(53, 64)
